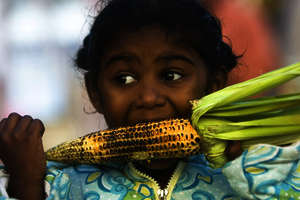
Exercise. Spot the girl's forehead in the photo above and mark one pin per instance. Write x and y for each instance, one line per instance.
(128, 36)
(151, 39)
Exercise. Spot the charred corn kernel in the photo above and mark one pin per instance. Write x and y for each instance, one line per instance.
(156, 140)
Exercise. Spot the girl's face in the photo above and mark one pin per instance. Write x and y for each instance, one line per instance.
(145, 76)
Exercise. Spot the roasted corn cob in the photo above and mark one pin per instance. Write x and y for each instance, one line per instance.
(165, 139)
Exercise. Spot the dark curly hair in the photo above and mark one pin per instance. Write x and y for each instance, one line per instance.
(187, 20)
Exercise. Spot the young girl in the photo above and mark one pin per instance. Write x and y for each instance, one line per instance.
(143, 60)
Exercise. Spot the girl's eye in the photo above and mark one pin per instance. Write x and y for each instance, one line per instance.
(125, 79)
(172, 76)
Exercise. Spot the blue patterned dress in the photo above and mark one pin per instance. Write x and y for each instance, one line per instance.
(262, 172)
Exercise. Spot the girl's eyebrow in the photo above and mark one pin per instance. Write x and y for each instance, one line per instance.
(175, 57)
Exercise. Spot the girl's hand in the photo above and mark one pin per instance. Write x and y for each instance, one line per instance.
(22, 153)
(233, 150)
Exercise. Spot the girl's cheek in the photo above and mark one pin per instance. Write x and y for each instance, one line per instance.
(116, 109)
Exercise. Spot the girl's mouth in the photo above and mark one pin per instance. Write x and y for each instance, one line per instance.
(149, 120)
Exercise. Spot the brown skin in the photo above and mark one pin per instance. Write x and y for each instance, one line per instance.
(146, 77)
(22, 153)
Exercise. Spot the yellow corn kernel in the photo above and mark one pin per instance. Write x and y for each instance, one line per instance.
(174, 138)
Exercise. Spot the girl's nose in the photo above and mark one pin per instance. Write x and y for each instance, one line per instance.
(150, 95)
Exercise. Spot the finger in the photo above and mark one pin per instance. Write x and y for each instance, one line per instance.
(11, 122)
(3, 136)
(2, 120)
(22, 126)
(234, 150)
(36, 128)
(2, 123)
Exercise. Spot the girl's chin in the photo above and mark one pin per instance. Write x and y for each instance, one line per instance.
(161, 164)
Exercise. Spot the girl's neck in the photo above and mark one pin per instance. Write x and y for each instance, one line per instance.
(160, 170)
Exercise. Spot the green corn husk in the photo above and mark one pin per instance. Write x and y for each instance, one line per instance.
(275, 140)
(225, 115)
(256, 106)
(244, 89)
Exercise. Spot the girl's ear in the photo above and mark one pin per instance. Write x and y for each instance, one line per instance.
(93, 93)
